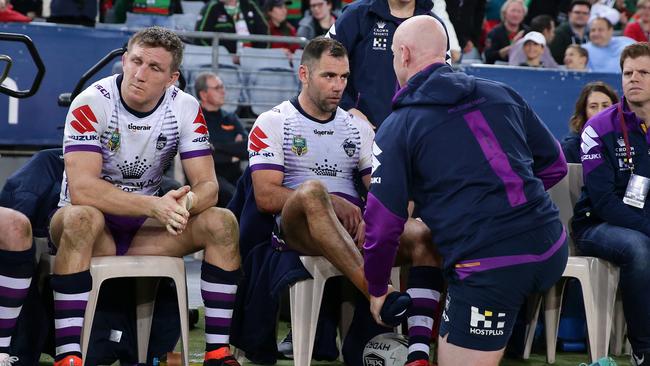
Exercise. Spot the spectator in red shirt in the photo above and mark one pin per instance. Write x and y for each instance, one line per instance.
(640, 30)
(276, 13)
(7, 14)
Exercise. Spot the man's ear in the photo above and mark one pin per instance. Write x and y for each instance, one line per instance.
(303, 73)
(406, 55)
(173, 78)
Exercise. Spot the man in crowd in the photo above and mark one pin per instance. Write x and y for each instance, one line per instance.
(573, 31)
(603, 48)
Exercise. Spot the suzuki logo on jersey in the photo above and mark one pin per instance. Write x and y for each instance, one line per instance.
(376, 151)
(481, 324)
(587, 137)
(84, 119)
(200, 120)
(256, 140)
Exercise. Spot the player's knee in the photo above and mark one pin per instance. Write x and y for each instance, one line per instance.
(16, 231)
(81, 226)
(312, 190)
(220, 225)
(422, 249)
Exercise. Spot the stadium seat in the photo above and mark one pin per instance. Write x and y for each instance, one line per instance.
(269, 77)
(598, 279)
(305, 298)
(147, 269)
(192, 7)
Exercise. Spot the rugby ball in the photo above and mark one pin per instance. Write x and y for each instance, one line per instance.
(387, 349)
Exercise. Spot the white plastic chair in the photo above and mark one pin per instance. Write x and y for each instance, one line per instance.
(598, 279)
(146, 268)
(305, 299)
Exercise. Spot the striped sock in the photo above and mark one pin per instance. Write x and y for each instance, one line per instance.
(70, 298)
(424, 286)
(16, 270)
(218, 289)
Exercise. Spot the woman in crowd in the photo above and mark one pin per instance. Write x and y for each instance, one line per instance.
(511, 29)
(593, 98)
(640, 29)
(318, 20)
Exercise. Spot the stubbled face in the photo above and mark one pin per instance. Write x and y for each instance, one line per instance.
(579, 16)
(147, 74)
(325, 83)
(596, 102)
(636, 79)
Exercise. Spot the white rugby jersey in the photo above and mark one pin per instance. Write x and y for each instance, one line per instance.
(136, 147)
(287, 140)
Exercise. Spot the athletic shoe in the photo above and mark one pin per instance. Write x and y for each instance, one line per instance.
(220, 357)
(69, 361)
(640, 359)
(394, 310)
(285, 347)
(7, 360)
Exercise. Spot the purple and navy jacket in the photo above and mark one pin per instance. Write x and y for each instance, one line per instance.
(475, 159)
(602, 151)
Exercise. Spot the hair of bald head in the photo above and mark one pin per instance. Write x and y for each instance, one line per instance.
(424, 36)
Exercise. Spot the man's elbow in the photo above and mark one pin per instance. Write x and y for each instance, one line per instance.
(265, 205)
(79, 197)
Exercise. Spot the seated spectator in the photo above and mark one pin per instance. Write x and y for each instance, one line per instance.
(604, 49)
(148, 13)
(243, 17)
(534, 44)
(610, 221)
(593, 98)
(503, 36)
(576, 58)
(8, 14)
(227, 135)
(573, 31)
(640, 29)
(318, 20)
(276, 14)
(545, 25)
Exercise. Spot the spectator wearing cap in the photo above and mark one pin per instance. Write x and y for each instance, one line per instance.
(276, 15)
(640, 29)
(576, 58)
(317, 20)
(243, 17)
(544, 25)
(534, 44)
(605, 49)
(573, 31)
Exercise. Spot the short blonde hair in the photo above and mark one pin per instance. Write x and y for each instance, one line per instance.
(505, 6)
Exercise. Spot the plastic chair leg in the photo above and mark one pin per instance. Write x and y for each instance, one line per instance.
(532, 314)
(145, 291)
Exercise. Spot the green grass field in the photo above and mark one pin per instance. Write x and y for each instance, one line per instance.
(538, 357)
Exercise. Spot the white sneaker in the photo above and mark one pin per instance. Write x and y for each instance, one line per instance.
(285, 347)
(6, 360)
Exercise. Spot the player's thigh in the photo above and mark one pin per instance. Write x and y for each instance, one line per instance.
(416, 245)
(294, 227)
(154, 239)
(91, 222)
(453, 355)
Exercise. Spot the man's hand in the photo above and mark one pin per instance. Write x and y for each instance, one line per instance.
(360, 237)
(376, 303)
(348, 214)
(169, 212)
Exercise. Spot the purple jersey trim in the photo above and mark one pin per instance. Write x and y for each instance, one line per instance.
(277, 167)
(366, 171)
(383, 229)
(496, 157)
(195, 153)
(468, 267)
(554, 173)
(91, 148)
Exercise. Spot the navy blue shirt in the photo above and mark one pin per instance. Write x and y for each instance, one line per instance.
(366, 29)
(473, 156)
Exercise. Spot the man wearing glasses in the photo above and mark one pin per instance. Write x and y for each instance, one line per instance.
(574, 31)
(227, 135)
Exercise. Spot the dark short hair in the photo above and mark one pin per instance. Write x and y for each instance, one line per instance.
(160, 37)
(315, 49)
(581, 50)
(579, 117)
(579, 2)
(541, 23)
(635, 50)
